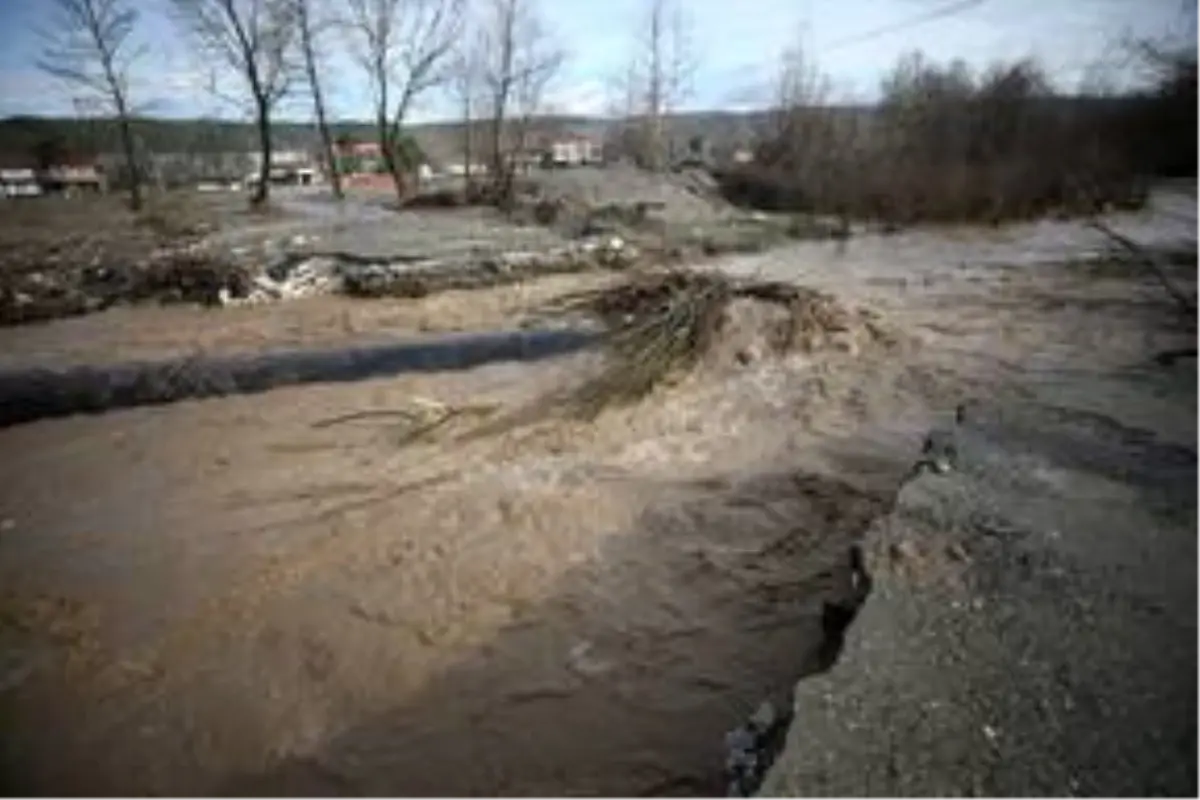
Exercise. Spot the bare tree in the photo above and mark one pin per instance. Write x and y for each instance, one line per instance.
(89, 46)
(311, 28)
(404, 46)
(518, 59)
(465, 90)
(798, 134)
(254, 38)
(659, 74)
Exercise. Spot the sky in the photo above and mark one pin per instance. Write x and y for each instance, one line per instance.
(736, 45)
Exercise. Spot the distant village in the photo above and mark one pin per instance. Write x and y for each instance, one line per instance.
(359, 163)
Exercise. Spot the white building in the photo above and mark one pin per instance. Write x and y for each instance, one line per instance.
(573, 150)
(19, 182)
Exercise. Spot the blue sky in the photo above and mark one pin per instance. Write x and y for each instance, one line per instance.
(737, 43)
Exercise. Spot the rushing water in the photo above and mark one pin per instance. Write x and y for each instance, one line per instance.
(30, 394)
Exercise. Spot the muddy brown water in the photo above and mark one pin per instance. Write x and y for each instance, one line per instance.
(233, 596)
(241, 596)
(590, 631)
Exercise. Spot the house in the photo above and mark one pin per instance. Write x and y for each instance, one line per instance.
(288, 168)
(458, 168)
(19, 182)
(362, 165)
(572, 150)
(31, 176)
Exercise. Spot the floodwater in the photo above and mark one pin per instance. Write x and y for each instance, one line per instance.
(280, 593)
(33, 394)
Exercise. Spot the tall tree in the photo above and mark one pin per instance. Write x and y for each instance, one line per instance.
(518, 58)
(404, 46)
(660, 74)
(311, 29)
(254, 38)
(89, 46)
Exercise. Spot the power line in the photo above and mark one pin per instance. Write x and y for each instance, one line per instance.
(756, 89)
(929, 16)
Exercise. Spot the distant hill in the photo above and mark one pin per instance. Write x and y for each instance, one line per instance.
(440, 140)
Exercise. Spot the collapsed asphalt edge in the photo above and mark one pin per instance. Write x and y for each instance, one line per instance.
(753, 747)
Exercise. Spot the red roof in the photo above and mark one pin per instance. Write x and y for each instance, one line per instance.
(358, 148)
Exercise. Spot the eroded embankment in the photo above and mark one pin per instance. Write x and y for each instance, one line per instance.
(1031, 629)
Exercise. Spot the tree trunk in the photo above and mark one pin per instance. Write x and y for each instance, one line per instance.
(262, 192)
(397, 173)
(497, 143)
(310, 66)
(388, 139)
(135, 177)
(335, 172)
(468, 135)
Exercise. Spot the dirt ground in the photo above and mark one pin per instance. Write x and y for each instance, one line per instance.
(245, 595)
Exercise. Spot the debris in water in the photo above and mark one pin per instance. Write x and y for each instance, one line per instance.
(662, 324)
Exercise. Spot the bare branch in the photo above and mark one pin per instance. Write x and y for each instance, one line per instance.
(312, 27)
(658, 77)
(89, 47)
(518, 58)
(405, 48)
(254, 39)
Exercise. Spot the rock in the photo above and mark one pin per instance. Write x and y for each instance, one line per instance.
(266, 286)
(751, 749)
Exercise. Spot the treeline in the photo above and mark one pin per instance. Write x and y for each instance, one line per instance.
(946, 143)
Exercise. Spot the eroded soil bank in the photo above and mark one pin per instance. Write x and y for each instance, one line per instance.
(269, 594)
